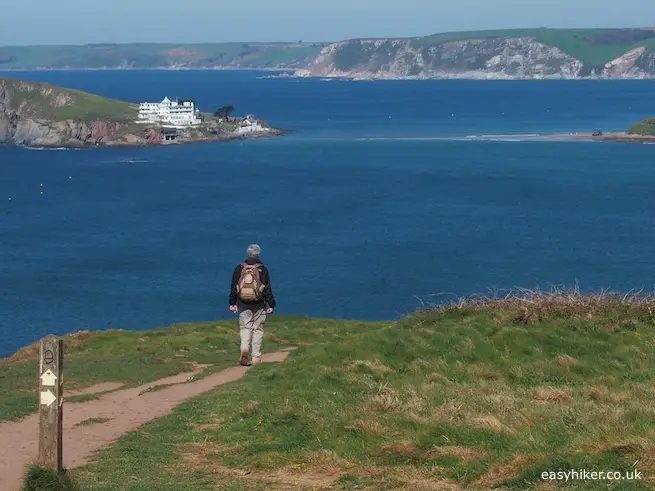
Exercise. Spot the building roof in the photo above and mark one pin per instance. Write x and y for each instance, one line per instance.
(166, 100)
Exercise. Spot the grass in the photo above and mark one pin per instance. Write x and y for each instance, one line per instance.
(594, 47)
(136, 358)
(487, 393)
(45, 101)
(645, 128)
(93, 421)
(40, 479)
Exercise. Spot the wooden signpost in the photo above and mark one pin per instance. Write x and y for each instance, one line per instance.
(51, 400)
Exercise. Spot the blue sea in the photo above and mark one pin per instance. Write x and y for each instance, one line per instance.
(376, 204)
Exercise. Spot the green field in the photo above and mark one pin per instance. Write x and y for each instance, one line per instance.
(236, 55)
(484, 395)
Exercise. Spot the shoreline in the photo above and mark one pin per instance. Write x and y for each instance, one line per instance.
(620, 137)
(144, 69)
(298, 73)
(615, 137)
(469, 76)
(274, 132)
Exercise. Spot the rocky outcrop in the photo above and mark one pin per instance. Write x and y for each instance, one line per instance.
(625, 66)
(68, 133)
(490, 58)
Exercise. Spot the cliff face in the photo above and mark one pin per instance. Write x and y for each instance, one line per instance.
(489, 58)
(36, 133)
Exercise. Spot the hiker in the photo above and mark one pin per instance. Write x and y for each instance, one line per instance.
(250, 293)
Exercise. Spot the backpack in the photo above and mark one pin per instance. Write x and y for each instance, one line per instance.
(250, 287)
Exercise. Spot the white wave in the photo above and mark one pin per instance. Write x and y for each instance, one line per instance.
(48, 149)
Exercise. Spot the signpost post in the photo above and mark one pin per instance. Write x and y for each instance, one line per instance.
(51, 399)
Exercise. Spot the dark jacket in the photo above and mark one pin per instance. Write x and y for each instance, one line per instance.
(264, 275)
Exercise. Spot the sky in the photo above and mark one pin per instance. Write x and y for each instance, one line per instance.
(193, 21)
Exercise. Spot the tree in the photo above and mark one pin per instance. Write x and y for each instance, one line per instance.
(224, 112)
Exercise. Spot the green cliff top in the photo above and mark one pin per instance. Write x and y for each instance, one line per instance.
(594, 47)
(49, 102)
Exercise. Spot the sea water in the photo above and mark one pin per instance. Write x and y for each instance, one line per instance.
(387, 196)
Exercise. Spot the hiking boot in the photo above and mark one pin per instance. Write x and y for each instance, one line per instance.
(244, 360)
(256, 361)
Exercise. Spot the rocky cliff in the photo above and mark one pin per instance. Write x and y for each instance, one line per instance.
(489, 57)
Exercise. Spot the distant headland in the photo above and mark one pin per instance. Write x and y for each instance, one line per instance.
(42, 115)
(510, 54)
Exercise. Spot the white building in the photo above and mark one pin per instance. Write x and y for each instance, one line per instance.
(178, 113)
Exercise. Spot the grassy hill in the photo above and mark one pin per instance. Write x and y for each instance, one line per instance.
(243, 55)
(645, 128)
(593, 47)
(45, 101)
(480, 395)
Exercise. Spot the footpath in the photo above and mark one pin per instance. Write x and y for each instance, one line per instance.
(122, 410)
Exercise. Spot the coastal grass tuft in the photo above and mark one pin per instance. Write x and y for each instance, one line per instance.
(38, 478)
(487, 392)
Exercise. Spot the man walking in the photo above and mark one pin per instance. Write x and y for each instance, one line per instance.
(250, 293)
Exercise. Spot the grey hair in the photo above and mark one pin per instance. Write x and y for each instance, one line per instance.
(254, 251)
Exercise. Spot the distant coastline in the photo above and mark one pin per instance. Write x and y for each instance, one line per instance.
(290, 73)
(506, 54)
(145, 69)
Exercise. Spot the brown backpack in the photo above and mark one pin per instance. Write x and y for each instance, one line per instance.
(250, 287)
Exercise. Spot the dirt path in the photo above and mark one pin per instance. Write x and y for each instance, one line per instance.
(126, 410)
